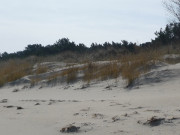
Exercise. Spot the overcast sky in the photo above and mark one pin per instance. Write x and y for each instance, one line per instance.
(24, 22)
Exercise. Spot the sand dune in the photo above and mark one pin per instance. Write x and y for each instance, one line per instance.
(151, 106)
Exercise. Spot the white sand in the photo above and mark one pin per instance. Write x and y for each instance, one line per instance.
(94, 107)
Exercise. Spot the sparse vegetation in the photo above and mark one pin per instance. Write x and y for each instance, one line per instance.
(109, 70)
(129, 66)
(89, 71)
(41, 69)
(53, 77)
(13, 70)
(35, 80)
(132, 66)
(105, 71)
(70, 74)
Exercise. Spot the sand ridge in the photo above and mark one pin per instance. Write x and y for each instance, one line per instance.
(102, 108)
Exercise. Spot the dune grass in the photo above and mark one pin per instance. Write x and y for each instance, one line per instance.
(94, 71)
(41, 69)
(13, 70)
(89, 71)
(129, 66)
(53, 77)
(70, 74)
(132, 66)
(109, 70)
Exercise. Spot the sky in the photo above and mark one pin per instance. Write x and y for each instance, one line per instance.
(24, 22)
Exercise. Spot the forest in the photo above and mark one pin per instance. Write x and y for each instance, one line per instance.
(170, 35)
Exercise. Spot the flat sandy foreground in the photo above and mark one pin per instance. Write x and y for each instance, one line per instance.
(103, 108)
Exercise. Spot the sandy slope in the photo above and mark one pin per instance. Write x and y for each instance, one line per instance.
(103, 108)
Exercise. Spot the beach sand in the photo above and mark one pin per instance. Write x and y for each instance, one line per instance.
(151, 107)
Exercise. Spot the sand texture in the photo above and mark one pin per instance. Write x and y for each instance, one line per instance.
(150, 107)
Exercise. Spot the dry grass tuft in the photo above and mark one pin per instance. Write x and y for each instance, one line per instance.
(14, 69)
(35, 81)
(134, 65)
(172, 60)
(90, 71)
(110, 70)
(130, 72)
(53, 77)
(41, 69)
(70, 74)
(94, 71)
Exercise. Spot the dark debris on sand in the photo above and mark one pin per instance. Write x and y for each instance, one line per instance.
(70, 129)
(4, 101)
(155, 121)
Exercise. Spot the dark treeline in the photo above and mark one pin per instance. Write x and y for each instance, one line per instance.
(63, 45)
(167, 36)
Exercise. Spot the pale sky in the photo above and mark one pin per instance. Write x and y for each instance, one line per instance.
(24, 22)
